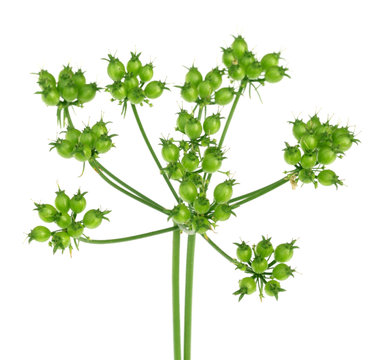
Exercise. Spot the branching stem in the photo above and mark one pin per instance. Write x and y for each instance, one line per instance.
(125, 185)
(104, 177)
(139, 123)
(228, 121)
(257, 193)
(220, 251)
(128, 238)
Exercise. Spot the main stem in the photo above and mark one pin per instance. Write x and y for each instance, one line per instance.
(191, 247)
(176, 295)
(188, 292)
(139, 123)
(188, 296)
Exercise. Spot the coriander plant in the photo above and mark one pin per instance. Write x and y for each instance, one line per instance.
(190, 160)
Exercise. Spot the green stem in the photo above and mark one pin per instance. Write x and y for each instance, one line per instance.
(220, 251)
(127, 192)
(139, 123)
(228, 257)
(68, 116)
(129, 238)
(124, 184)
(236, 99)
(273, 262)
(176, 295)
(188, 296)
(200, 113)
(228, 121)
(255, 194)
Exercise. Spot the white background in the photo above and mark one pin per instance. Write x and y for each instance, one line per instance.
(114, 301)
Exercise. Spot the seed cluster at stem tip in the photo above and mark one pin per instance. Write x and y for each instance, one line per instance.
(264, 274)
(70, 89)
(191, 158)
(319, 144)
(64, 214)
(84, 145)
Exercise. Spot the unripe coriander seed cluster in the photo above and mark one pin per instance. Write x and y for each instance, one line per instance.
(191, 160)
